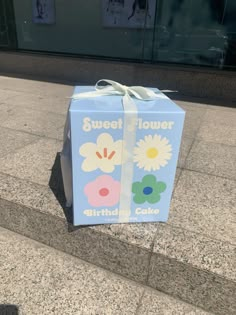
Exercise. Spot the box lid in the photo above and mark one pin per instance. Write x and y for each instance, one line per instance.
(113, 103)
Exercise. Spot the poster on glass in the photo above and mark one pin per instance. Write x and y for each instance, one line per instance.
(44, 11)
(129, 13)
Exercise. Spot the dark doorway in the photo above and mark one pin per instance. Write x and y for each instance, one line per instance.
(7, 25)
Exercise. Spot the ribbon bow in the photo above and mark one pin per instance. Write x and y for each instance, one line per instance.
(115, 88)
(138, 92)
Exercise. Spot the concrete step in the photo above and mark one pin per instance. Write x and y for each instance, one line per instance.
(36, 279)
(192, 257)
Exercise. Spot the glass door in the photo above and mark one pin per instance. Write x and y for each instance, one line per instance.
(191, 32)
(7, 25)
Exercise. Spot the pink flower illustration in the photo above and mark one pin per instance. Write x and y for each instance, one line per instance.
(103, 191)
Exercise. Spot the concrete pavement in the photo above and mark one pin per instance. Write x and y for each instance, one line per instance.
(40, 280)
(192, 257)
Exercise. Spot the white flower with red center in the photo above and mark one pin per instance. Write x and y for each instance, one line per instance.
(103, 191)
(103, 155)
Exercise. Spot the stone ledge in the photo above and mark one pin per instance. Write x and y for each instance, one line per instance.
(160, 255)
(46, 281)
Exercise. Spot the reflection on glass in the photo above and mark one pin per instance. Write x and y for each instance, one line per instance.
(194, 32)
(3, 26)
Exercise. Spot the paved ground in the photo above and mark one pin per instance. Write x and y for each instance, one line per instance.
(191, 257)
(40, 280)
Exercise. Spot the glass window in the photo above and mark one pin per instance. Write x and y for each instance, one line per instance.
(91, 27)
(229, 21)
(7, 25)
(190, 32)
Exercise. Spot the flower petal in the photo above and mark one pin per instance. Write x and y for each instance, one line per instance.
(105, 139)
(137, 187)
(149, 180)
(106, 166)
(89, 165)
(160, 187)
(117, 148)
(87, 149)
(139, 198)
(114, 195)
(153, 198)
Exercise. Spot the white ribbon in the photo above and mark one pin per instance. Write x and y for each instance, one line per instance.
(129, 132)
(116, 88)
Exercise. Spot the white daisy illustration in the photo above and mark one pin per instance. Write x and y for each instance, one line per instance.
(152, 153)
(103, 155)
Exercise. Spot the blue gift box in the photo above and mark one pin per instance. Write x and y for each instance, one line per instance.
(102, 191)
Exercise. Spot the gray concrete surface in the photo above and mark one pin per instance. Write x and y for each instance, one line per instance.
(40, 280)
(191, 257)
(213, 163)
(196, 82)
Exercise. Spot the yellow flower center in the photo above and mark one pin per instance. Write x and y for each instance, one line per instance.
(152, 153)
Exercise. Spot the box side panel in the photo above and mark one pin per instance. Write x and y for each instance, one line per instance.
(155, 156)
(94, 146)
(96, 170)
